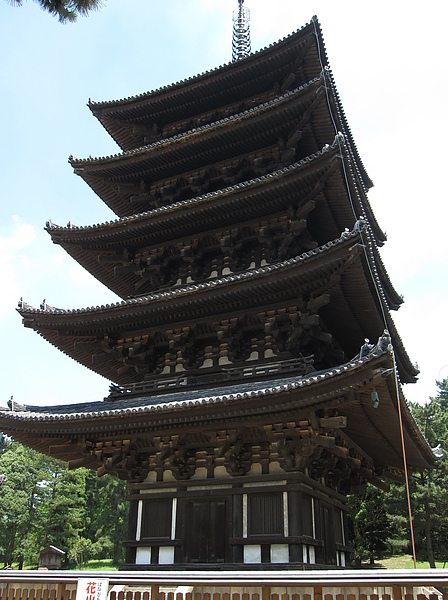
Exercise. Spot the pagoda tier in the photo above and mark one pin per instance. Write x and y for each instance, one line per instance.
(280, 215)
(247, 399)
(261, 469)
(134, 122)
(342, 394)
(322, 304)
(228, 90)
(221, 154)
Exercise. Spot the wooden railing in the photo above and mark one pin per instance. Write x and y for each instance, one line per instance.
(36, 594)
(423, 584)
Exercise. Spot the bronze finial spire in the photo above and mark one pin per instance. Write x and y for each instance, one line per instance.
(241, 32)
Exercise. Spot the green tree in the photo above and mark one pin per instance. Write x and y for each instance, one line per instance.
(81, 549)
(42, 502)
(22, 494)
(107, 515)
(430, 502)
(370, 522)
(66, 518)
(65, 10)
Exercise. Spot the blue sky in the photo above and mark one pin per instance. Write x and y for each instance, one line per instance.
(388, 60)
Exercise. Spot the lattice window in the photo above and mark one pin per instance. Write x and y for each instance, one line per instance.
(265, 514)
(156, 518)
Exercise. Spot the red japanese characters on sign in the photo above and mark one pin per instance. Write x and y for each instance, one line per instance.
(92, 589)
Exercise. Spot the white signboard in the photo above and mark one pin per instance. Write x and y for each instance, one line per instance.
(92, 589)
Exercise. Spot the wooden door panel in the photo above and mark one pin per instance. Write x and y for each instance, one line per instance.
(206, 531)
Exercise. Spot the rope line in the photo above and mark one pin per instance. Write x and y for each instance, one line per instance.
(379, 293)
(403, 448)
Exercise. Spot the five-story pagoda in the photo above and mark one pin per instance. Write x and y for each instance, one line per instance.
(246, 400)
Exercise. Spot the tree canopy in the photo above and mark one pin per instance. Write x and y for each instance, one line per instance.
(385, 530)
(65, 10)
(44, 503)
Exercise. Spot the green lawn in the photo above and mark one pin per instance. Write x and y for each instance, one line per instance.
(404, 561)
(394, 562)
(100, 565)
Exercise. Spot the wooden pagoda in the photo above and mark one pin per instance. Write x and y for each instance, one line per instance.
(247, 400)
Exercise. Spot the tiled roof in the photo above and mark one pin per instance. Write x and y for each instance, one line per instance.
(221, 70)
(202, 199)
(183, 399)
(25, 309)
(78, 162)
(126, 415)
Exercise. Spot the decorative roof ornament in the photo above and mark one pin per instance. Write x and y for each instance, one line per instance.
(241, 32)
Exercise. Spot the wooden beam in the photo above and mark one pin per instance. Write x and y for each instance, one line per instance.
(112, 258)
(61, 449)
(142, 198)
(355, 447)
(86, 346)
(316, 303)
(101, 358)
(338, 422)
(322, 336)
(296, 135)
(340, 451)
(325, 441)
(124, 269)
(289, 80)
(125, 189)
(84, 461)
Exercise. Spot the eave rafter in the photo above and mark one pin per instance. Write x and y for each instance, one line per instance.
(335, 271)
(191, 99)
(327, 418)
(317, 443)
(121, 179)
(103, 250)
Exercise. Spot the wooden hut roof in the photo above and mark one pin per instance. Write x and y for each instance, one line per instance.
(287, 64)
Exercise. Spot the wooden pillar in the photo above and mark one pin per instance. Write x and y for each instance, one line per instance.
(295, 526)
(396, 592)
(266, 592)
(237, 527)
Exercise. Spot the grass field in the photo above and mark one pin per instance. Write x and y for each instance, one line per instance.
(404, 561)
(394, 562)
(100, 565)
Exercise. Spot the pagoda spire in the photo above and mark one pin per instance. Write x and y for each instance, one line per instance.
(241, 32)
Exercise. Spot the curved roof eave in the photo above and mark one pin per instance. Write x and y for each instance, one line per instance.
(59, 425)
(202, 78)
(347, 239)
(187, 136)
(246, 287)
(167, 211)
